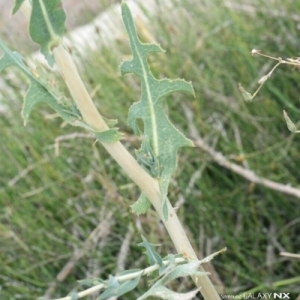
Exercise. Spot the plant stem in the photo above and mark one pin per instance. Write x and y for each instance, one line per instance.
(126, 161)
(122, 278)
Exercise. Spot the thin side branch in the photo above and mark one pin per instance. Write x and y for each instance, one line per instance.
(291, 255)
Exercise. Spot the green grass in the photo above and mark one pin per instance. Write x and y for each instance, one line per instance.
(51, 211)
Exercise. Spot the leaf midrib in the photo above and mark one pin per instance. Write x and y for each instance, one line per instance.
(154, 132)
(47, 21)
(150, 103)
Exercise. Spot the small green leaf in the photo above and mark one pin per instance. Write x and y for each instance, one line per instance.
(128, 286)
(90, 282)
(163, 138)
(47, 25)
(290, 125)
(114, 288)
(111, 285)
(111, 135)
(17, 5)
(147, 159)
(36, 93)
(153, 256)
(110, 122)
(247, 96)
(142, 205)
(74, 296)
(108, 136)
(171, 262)
(182, 270)
(187, 269)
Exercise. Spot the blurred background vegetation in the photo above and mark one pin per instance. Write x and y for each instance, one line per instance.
(67, 217)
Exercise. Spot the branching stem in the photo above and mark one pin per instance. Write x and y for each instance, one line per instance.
(288, 61)
(126, 161)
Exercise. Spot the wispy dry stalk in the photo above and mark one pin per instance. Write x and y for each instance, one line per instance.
(290, 255)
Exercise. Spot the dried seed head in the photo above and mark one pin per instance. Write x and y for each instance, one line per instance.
(263, 79)
(255, 52)
(290, 125)
(247, 96)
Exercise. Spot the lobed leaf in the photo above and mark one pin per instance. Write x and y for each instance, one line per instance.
(47, 25)
(108, 136)
(160, 139)
(116, 289)
(142, 205)
(153, 256)
(175, 271)
(38, 92)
